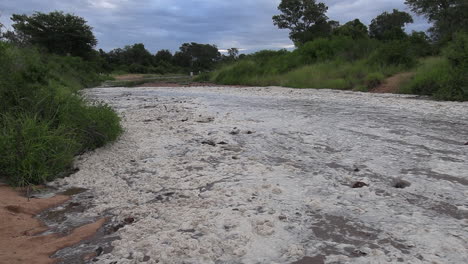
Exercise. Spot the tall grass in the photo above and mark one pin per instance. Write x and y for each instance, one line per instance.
(445, 77)
(336, 63)
(360, 65)
(44, 123)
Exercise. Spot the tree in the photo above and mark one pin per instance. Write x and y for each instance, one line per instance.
(198, 57)
(163, 55)
(305, 19)
(59, 33)
(137, 54)
(389, 26)
(233, 53)
(447, 16)
(354, 29)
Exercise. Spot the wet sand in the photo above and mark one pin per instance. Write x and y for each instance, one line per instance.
(21, 239)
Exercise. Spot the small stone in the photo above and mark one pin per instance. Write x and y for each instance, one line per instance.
(466, 144)
(358, 253)
(209, 142)
(99, 251)
(222, 143)
(277, 191)
(282, 217)
(129, 220)
(235, 157)
(359, 184)
(401, 184)
(357, 170)
(235, 131)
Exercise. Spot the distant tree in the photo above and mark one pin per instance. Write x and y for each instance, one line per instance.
(447, 16)
(182, 59)
(390, 26)
(354, 29)
(137, 54)
(197, 57)
(57, 32)
(420, 44)
(233, 53)
(305, 19)
(163, 55)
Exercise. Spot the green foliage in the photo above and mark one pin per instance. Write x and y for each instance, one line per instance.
(197, 57)
(354, 29)
(447, 16)
(339, 62)
(57, 32)
(373, 80)
(420, 44)
(389, 26)
(306, 20)
(32, 150)
(431, 76)
(445, 77)
(163, 56)
(44, 122)
(396, 52)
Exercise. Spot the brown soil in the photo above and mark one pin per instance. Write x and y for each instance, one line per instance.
(20, 241)
(393, 83)
(128, 77)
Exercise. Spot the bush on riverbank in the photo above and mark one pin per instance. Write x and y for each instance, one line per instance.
(348, 64)
(337, 63)
(44, 123)
(445, 77)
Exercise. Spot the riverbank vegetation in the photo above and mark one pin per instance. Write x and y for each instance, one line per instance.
(356, 57)
(44, 122)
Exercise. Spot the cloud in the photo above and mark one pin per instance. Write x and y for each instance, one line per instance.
(166, 24)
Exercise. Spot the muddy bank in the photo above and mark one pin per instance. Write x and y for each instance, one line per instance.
(24, 238)
(275, 175)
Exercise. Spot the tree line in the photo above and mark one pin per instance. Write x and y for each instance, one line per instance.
(307, 20)
(69, 35)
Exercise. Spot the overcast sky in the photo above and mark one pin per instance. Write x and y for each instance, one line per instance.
(166, 24)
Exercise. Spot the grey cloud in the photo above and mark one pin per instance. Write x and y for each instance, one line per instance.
(166, 24)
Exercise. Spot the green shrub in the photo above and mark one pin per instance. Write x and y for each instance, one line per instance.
(44, 122)
(92, 125)
(430, 76)
(361, 88)
(340, 84)
(373, 80)
(397, 52)
(445, 77)
(457, 55)
(33, 151)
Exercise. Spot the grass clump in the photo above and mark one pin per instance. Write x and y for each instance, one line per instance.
(44, 122)
(444, 77)
(373, 80)
(34, 151)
